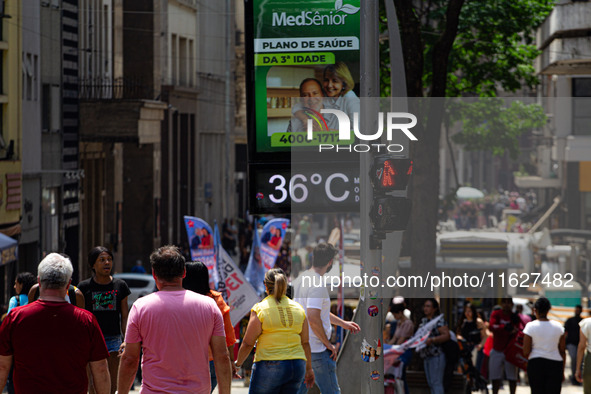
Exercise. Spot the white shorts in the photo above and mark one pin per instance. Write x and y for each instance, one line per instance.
(497, 364)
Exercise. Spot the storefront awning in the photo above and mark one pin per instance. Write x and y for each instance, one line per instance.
(8, 249)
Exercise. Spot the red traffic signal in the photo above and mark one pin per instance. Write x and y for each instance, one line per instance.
(389, 213)
(388, 174)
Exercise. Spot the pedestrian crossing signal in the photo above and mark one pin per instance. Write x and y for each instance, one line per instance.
(390, 213)
(389, 174)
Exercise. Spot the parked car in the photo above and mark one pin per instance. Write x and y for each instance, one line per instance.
(139, 284)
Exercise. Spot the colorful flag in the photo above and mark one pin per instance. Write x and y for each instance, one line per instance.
(203, 246)
(271, 241)
(255, 272)
(265, 249)
(238, 293)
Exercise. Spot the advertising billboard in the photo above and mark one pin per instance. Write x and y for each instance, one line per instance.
(303, 57)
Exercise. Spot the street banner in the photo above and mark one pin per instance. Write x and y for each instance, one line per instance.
(416, 342)
(271, 241)
(202, 244)
(255, 272)
(238, 293)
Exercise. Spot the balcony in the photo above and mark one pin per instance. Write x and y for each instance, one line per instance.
(120, 89)
(578, 148)
(121, 121)
(564, 40)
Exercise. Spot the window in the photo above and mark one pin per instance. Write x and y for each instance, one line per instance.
(1, 70)
(49, 208)
(190, 62)
(174, 58)
(183, 64)
(50, 108)
(581, 105)
(30, 72)
(1, 20)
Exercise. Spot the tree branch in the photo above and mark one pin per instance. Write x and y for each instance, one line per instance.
(443, 47)
(412, 46)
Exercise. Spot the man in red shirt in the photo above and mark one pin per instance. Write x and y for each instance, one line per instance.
(504, 325)
(52, 341)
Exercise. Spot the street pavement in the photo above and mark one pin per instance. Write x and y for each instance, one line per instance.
(567, 388)
(237, 387)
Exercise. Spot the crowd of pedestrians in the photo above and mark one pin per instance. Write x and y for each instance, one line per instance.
(54, 347)
(49, 345)
(487, 212)
(497, 348)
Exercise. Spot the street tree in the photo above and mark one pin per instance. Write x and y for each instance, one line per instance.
(454, 48)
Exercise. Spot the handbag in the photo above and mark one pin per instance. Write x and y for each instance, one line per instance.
(514, 351)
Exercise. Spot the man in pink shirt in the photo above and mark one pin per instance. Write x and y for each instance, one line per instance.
(174, 327)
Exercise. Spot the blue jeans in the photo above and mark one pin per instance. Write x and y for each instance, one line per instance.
(113, 343)
(325, 373)
(434, 369)
(214, 379)
(572, 351)
(277, 376)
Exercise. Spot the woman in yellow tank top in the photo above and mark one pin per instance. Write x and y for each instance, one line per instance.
(279, 325)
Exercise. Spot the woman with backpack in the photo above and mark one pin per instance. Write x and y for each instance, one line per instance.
(22, 284)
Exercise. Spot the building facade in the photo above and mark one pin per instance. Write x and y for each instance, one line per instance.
(11, 138)
(153, 140)
(564, 166)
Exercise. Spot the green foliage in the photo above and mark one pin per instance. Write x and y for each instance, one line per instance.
(494, 47)
(522, 171)
(491, 124)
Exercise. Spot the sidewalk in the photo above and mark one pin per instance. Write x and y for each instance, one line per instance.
(237, 387)
(567, 388)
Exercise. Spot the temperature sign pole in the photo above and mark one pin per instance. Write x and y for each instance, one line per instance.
(371, 304)
(292, 50)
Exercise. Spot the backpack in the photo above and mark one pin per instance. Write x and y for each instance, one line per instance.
(71, 294)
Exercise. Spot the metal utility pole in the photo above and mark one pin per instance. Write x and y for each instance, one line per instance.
(399, 103)
(359, 375)
(372, 379)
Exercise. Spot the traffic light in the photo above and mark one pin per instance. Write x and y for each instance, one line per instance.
(389, 174)
(389, 213)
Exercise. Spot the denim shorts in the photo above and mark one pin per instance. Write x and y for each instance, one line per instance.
(280, 376)
(113, 343)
